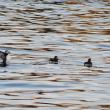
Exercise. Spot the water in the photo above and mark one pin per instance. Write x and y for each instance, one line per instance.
(33, 31)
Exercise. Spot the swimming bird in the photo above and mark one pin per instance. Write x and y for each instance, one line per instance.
(88, 63)
(3, 56)
(54, 60)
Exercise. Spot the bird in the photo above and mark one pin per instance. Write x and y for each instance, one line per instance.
(88, 63)
(3, 56)
(54, 60)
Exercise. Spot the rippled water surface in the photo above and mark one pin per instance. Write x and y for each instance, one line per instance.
(74, 30)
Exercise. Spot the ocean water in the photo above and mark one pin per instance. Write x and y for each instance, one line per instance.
(36, 30)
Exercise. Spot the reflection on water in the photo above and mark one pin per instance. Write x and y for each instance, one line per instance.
(74, 30)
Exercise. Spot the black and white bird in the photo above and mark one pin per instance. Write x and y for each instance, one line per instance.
(88, 63)
(54, 60)
(3, 57)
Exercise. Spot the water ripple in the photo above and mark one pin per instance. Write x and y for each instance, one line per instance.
(36, 30)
